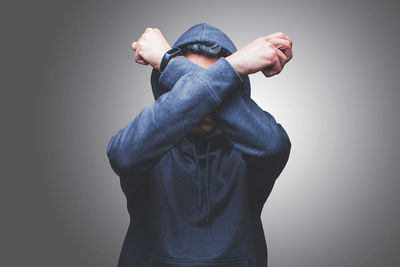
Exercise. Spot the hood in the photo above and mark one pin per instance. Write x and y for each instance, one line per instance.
(201, 32)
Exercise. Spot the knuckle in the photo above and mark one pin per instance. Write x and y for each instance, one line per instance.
(262, 39)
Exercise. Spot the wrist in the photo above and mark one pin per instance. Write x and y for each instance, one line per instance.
(170, 59)
(235, 62)
(168, 56)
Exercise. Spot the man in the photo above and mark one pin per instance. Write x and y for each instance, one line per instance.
(198, 164)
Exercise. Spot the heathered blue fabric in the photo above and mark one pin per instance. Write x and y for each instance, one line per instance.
(196, 201)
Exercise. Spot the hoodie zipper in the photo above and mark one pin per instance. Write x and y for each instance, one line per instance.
(200, 180)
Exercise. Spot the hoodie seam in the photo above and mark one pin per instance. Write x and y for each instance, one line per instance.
(202, 32)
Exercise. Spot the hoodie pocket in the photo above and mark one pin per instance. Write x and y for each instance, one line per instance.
(157, 261)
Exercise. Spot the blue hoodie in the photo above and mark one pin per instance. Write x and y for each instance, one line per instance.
(196, 201)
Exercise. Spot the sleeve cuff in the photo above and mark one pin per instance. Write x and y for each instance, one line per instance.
(220, 77)
(175, 69)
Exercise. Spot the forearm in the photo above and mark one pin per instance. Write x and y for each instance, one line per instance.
(250, 129)
(159, 126)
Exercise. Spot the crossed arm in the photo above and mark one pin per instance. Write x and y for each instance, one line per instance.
(195, 93)
(137, 147)
(264, 143)
(250, 129)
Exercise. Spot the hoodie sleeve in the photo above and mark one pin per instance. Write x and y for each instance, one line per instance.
(264, 142)
(135, 148)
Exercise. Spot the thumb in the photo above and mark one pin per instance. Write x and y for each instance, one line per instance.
(134, 46)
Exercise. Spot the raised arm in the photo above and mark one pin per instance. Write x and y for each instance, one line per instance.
(264, 142)
(134, 149)
(250, 129)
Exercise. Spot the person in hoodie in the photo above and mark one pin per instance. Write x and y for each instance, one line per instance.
(197, 165)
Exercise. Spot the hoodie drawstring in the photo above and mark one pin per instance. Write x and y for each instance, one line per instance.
(208, 205)
(198, 175)
(200, 201)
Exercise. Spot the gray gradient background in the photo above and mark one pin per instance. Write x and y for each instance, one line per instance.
(71, 82)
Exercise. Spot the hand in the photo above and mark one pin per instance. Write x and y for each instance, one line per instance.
(150, 48)
(267, 54)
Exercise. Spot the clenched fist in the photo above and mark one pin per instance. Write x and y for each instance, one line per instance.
(150, 48)
(267, 54)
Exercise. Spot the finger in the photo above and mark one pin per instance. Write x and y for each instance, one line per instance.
(148, 29)
(284, 46)
(273, 69)
(282, 58)
(138, 58)
(266, 73)
(280, 35)
(134, 46)
(289, 54)
(139, 45)
(277, 66)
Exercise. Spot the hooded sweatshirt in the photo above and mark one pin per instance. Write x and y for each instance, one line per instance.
(196, 201)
